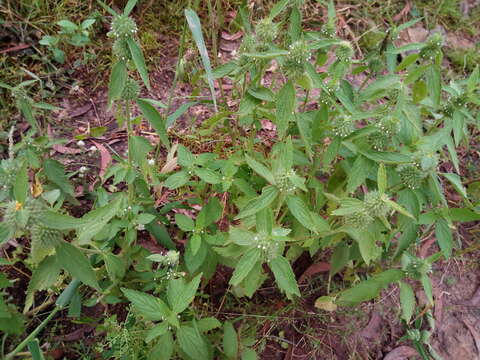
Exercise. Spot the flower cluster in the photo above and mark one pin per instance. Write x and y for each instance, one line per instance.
(268, 246)
(266, 30)
(410, 175)
(433, 46)
(375, 204)
(123, 27)
(298, 56)
(131, 90)
(343, 126)
(344, 51)
(283, 182)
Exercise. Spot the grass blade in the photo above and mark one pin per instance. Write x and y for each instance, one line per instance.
(196, 29)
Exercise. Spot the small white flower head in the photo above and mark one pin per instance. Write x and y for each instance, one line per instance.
(83, 169)
(81, 143)
(93, 148)
(140, 227)
(151, 162)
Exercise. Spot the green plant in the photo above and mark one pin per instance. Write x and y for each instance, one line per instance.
(69, 33)
(353, 169)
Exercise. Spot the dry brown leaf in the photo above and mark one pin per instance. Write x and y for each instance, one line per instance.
(401, 353)
(313, 270)
(232, 37)
(105, 158)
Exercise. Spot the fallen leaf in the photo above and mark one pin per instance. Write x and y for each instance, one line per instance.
(404, 12)
(313, 270)
(105, 158)
(401, 353)
(80, 110)
(326, 303)
(474, 333)
(232, 37)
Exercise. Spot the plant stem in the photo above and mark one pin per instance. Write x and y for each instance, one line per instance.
(32, 335)
(130, 161)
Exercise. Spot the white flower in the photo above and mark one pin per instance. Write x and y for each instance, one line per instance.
(151, 162)
(83, 169)
(93, 148)
(81, 143)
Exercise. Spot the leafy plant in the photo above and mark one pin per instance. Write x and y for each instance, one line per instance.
(69, 33)
(352, 170)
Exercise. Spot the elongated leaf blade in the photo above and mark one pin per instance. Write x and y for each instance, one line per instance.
(155, 119)
(139, 61)
(196, 29)
(269, 194)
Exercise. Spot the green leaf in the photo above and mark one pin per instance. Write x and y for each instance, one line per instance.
(20, 188)
(156, 331)
(407, 300)
(419, 91)
(196, 29)
(210, 213)
(115, 267)
(262, 93)
(300, 211)
(67, 295)
(284, 276)
(278, 8)
(94, 221)
(230, 341)
(473, 80)
(245, 264)
(241, 237)
(54, 220)
(55, 172)
(358, 173)
(139, 147)
(26, 110)
(264, 221)
(155, 119)
(457, 183)
(249, 354)
(444, 237)
(179, 112)
(139, 61)
(118, 78)
(398, 208)
(184, 222)
(129, 7)
(427, 287)
(185, 157)
(149, 306)
(164, 348)
(192, 343)
(370, 288)
(42, 278)
(434, 84)
(207, 324)
(367, 244)
(35, 350)
(286, 102)
(207, 175)
(180, 293)
(76, 263)
(382, 178)
(462, 215)
(177, 180)
(269, 194)
(260, 169)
